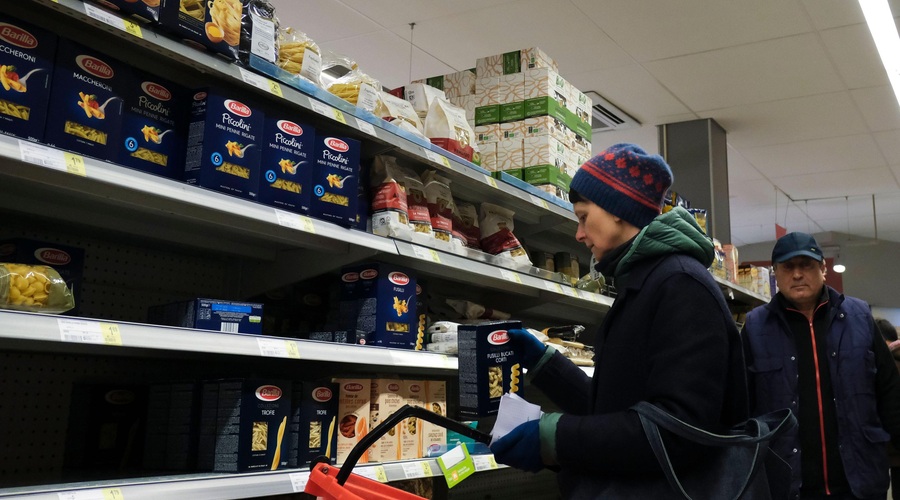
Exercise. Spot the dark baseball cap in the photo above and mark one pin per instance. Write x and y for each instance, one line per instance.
(793, 244)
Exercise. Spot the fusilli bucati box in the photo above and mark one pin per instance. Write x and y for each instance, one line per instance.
(488, 367)
(26, 68)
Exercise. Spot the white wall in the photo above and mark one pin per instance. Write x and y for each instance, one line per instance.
(645, 137)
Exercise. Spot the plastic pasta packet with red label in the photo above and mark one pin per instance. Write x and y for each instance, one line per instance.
(34, 288)
(472, 310)
(417, 205)
(440, 208)
(497, 237)
(390, 215)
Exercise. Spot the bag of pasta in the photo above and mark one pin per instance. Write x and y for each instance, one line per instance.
(399, 112)
(259, 30)
(358, 89)
(390, 216)
(33, 288)
(497, 237)
(299, 55)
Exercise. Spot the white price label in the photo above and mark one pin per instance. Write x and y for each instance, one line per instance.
(89, 332)
(567, 290)
(437, 158)
(426, 254)
(510, 276)
(537, 200)
(43, 156)
(484, 462)
(298, 481)
(415, 469)
(374, 473)
(295, 221)
(260, 82)
(326, 110)
(93, 494)
(113, 20)
(278, 348)
(366, 127)
(553, 287)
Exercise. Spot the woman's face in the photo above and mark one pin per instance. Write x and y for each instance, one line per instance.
(599, 230)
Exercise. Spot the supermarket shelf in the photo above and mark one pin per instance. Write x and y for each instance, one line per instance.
(64, 333)
(740, 294)
(215, 486)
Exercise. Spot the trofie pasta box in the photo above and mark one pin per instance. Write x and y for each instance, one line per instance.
(335, 179)
(26, 68)
(488, 367)
(153, 126)
(314, 415)
(382, 299)
(86, 100)
(286, 164)
(223, 146)
(251, 429)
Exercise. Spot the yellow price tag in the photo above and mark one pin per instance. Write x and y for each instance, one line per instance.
(292, 350)
(113, 494)
(380, 476)
(426, 468)
(111, 334)
(133, 28)
(75, 164)
(490, 180)
(339, 116)
(307, 224)
(275, 88)
(492, 461)
(434, 257)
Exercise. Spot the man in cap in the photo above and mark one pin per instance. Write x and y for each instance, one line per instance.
(819, 353)
(669, 339)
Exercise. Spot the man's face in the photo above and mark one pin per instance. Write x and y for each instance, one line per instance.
(801, 279)
(599, 230)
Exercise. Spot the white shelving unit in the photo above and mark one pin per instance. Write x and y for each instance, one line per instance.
(243, 249)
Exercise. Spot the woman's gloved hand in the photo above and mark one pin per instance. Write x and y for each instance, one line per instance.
(528, 346)
(521, 448)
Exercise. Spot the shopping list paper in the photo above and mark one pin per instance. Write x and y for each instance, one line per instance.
(513, 412)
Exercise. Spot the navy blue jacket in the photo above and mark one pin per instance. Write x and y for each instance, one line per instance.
(861, 386)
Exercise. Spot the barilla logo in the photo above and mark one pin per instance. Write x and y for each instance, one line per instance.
(268, 393)
(108, 4)
(498, 337)
(156, 90)
(94, 66)
(289, 127)
(17, 36)
(393, 387)
(322, 394)
(199, 96)
(337, 144)
(353, 387)
(119, 397)
(398, 278)
(368, 274)
(350, 277)
(52, 256)
(237, 108)
(415, 388)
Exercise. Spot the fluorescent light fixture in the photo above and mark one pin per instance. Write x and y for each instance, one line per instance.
(884, 32)
(838, 267)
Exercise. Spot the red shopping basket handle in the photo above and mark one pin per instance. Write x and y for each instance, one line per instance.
(323, 483)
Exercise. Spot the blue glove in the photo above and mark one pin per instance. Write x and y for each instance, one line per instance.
(521, 448)
(528, 346)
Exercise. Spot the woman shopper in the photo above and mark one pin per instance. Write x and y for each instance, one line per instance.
(668, 339)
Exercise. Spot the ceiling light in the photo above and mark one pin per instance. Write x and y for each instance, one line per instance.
(838, 267)
(884, 32)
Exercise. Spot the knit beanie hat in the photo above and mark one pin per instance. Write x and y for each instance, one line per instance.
(625, 181)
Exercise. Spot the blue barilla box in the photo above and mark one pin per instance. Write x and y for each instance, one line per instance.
(210, 314)
(87, 101)
(335, 180)
(287, 164)
(154, 126)
(26, 70)
(224, 144)
(382, 299)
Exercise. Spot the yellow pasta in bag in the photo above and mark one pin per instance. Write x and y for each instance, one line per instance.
(33, 288)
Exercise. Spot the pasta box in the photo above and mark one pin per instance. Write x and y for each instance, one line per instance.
(353, 416)
(153, 126)
(488, 367)
(210, 24)
(382, 299)
(286, 164)
(87, 101)
(314, 421)
(147, 10)
(335, 181)
(223, 148)
(251, 429)
(26, 70)
(210, 314)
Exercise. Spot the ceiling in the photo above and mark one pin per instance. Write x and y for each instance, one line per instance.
(813, 127)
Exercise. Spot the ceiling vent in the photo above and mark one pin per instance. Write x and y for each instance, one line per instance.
(606, 116)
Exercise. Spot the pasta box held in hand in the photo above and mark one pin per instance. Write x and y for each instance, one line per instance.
(223, 148)
(153, 126)
(26, 69)
(488, 367)
(335, 192)
(287, 164)
(381, 299)
(87, 101)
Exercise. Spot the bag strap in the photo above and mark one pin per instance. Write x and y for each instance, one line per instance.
(652, 418)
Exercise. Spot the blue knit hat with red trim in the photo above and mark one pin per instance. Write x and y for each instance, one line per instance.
(625, 181)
